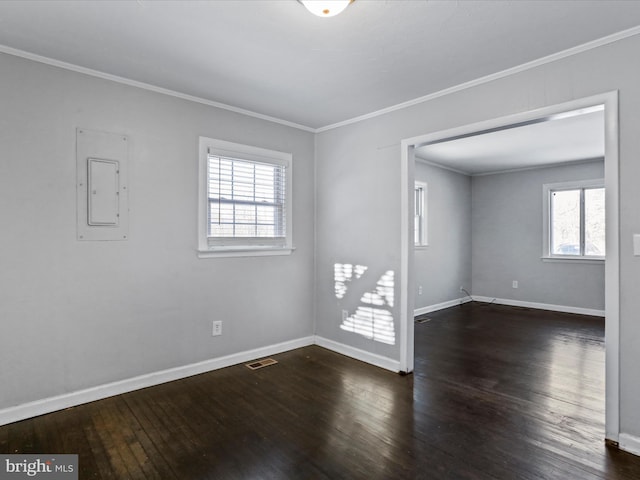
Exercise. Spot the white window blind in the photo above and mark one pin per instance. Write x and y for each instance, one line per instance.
(246, 200)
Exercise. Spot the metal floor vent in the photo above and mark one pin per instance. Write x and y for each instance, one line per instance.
(261, 363)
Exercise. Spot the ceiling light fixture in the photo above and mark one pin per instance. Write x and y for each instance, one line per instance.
(325, 8)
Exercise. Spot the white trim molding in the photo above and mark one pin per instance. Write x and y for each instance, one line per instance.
(362, 355)
(629, 443)
(60, 402)
(456, 88)
(147, 86)
(489, 78)
(539, 306)
(99, 392)
(441, 306)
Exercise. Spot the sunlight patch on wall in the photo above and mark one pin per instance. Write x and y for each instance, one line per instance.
(371, 319)
(372, 323)
(343, 273)
(383, 294)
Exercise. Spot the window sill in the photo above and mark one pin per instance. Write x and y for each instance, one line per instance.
(219, 252)
(568, 259)
(421, 247)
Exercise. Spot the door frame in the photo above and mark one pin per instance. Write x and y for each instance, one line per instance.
(612, 263)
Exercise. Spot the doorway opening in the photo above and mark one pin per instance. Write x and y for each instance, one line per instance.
(608, 102)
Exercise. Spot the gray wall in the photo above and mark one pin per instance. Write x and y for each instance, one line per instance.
(486, 231)
(443, 266)
(78, 314)
(357, 217)
(507, 241)
(75, 314)
(358, 184)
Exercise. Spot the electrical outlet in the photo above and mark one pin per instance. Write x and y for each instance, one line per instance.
(345, 315)
(514, 284)
(420, 290)
(217, 328)
(461, 289)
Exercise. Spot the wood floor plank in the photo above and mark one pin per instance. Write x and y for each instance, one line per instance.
(498, 393)
(121, 461)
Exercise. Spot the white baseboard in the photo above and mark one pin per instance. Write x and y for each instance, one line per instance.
(541, 306)
(440, 306)
(362, 355)
(60, 402)
(629, 443)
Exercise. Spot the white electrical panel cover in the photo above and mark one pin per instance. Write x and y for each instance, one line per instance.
(102, 190)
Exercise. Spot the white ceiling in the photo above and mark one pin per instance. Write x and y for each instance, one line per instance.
(274, 58)
(573, 138)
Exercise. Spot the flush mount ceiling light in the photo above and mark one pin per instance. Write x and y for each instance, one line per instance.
(325, 8)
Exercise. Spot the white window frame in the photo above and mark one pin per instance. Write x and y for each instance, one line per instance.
(547, 190)
(421, 205)
(208, 247)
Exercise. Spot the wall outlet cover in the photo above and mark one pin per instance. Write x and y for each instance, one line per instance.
(217, 328)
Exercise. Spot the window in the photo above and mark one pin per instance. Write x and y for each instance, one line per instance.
(420, 215)
(245, 200)
(575, 220)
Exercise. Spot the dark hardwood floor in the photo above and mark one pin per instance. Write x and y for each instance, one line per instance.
(498, 393)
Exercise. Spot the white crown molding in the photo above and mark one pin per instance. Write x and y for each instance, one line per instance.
(539, 167)
(489, 78)
(424, 161)
(463, 86)
(147, 86)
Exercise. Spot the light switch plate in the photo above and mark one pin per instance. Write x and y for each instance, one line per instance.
(636, 244)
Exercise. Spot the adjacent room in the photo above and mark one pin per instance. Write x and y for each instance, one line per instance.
(483, 216)
(277, 239)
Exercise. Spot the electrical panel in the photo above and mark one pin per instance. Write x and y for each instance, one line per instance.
(102, 190)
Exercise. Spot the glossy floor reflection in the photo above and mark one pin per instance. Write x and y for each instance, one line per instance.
(498, 393)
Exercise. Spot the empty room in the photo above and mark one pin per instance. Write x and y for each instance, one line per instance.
(282, 239)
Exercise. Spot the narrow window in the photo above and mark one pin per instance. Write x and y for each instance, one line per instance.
(420, 215)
